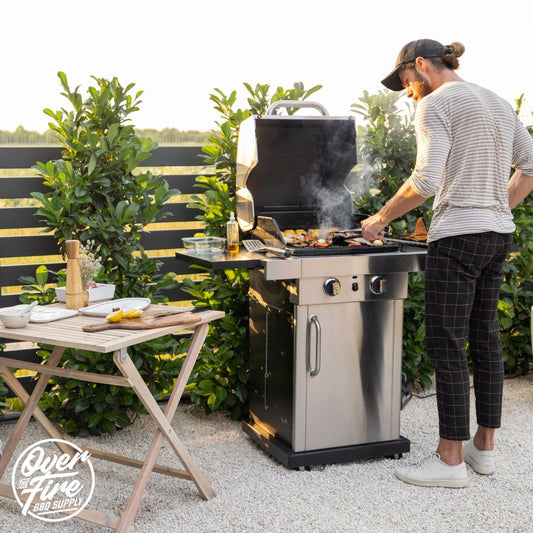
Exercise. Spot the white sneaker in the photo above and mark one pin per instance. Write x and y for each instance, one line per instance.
(432, 472)
(482, 462)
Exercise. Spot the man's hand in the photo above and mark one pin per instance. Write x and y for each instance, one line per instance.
(372, 227)
(403, 201)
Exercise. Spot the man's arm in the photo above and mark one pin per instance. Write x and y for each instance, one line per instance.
(403, 201)
(520, 185)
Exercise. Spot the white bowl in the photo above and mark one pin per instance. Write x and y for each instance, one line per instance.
(13, 320)
(102, 291)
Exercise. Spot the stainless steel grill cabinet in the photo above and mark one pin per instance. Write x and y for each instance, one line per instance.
(325, 358)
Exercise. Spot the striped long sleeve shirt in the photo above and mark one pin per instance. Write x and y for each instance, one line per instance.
(468, 138)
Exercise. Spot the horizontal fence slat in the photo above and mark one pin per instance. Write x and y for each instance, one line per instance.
(27, 217)
(185, 183)
(164, 156)
(9, 299)
(173, 295)
(10, 274)
(180, 268)
(22, 187)
(26, 381)
(180, 213)
(27, 156)
(28, 245)
(28, 354)
(19, 187)
(175, 156)
(20, 217)
(165, 239)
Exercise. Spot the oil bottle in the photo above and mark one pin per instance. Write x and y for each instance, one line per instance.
(232, 234)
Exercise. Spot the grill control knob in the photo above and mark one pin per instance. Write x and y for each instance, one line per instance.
(332, 286)
(378, 285)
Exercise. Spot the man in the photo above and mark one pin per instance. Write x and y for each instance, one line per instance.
(467, 141)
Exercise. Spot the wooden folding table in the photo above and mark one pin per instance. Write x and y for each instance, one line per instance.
(68, 333)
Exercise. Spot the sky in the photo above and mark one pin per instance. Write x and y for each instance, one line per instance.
(178, 52)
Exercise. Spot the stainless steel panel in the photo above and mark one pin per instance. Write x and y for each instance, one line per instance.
(343, 265)
(279, 269)
(355, 397)
(271, 359)
(354, 288)
(363, 264)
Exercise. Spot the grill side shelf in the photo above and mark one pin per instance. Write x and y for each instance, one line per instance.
(221, 261)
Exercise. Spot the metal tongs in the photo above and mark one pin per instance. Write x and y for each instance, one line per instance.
(277, 252)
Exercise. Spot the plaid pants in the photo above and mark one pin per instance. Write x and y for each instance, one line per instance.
(463, 280)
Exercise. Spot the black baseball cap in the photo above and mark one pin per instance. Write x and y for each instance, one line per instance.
(412, 50)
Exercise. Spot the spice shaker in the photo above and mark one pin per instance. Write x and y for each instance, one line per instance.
(75, 298)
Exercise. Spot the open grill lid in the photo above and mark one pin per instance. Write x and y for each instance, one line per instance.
(293, 168)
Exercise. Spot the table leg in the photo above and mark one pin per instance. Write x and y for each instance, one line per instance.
(165, 430)
(13, 383)
(31, 404)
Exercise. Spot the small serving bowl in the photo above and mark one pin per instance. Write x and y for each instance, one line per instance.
(11, 319)
(204, 245)
(102, 291)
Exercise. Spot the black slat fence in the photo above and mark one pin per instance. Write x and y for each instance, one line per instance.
(23, 247)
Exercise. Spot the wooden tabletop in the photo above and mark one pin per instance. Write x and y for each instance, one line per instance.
(68, 332)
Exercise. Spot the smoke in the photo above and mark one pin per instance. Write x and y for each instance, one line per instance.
(332, 186)
(364, 179)
(333, 205)
(336, 205)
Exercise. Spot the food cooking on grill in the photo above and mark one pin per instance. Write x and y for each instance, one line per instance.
(292, 177)
(300, 238)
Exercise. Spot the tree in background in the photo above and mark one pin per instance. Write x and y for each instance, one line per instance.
(94, 195)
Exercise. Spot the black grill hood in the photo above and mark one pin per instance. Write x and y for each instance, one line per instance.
(293, 169)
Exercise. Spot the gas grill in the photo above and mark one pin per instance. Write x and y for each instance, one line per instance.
(291, 173)
(325, 324)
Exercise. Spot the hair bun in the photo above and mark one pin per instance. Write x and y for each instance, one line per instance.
(457, 49)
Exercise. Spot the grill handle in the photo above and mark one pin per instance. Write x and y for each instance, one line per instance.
(313, 371)
(296, 103)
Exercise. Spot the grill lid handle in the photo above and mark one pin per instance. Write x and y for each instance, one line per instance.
(296, 103)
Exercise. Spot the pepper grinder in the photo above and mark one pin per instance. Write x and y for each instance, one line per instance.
(74, 292)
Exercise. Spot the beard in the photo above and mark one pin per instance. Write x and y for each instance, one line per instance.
(420, 86)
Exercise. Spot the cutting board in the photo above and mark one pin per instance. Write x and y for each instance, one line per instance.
(145, 322)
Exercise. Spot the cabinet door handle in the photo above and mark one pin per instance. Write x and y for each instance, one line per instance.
(313, 320)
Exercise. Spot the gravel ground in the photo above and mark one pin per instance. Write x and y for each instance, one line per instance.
(257, 494)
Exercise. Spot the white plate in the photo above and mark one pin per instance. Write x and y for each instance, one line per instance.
(125, 304)
(43, 313)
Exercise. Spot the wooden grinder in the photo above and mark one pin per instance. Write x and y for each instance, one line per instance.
(74, 291)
